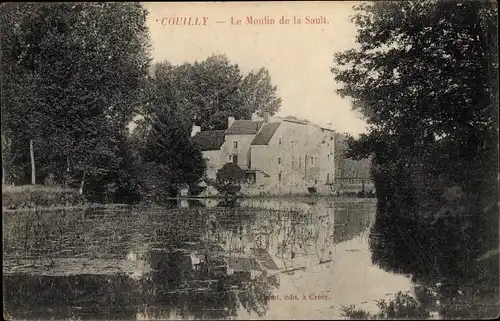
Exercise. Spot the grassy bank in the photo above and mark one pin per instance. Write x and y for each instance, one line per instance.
(32, 196)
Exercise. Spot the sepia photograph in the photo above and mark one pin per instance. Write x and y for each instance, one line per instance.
(281, 160)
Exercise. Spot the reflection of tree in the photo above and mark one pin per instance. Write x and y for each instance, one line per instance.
(350, 222)
(205, 289)
(87, 297)
(175, 289)
(303, 232)
(287, 234)
(295, 235)
(189, 252)
(254, 296)
(441, 260)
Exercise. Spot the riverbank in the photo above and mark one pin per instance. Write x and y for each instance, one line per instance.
(302, 197)
(29, 198)
(34, 196)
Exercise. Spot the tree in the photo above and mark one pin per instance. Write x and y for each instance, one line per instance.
(213, 89)
(230, 177)
(416, 60)
(169, 159)
(425, 76)
(74, 77)
(259, 94)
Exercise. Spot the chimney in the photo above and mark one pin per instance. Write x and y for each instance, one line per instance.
(195, 130)
(230, 121)
(266, 117)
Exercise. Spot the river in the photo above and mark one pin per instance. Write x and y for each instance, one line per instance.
(196, 259)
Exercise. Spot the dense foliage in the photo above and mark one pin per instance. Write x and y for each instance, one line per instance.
(169, 159)
(213, 89)
(425, 76)
(72, 78)
(229, 178)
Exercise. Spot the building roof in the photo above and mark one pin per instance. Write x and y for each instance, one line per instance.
(293, 119)
(244, 127)
(327, 129)
(265, 134)
(210, 139)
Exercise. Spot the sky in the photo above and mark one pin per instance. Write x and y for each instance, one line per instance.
(298, 56)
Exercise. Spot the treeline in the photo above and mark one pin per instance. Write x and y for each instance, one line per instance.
(426, 78)
(74, 78)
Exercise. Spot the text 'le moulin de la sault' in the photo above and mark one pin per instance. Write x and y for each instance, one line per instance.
(248, 20)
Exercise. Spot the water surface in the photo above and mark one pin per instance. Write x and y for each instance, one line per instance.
(261, 259)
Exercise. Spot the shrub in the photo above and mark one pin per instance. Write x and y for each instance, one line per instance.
(403, 306)
(229, 178)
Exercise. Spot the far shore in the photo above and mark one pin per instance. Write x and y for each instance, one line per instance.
(116, 206)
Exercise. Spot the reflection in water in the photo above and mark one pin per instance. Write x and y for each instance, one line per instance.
(442, 259)
(186, 262)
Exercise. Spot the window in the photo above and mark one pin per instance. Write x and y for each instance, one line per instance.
(279, 176)
(292, 163)
(279, 140)
(312, 160)
(279, 160)
(235, 144)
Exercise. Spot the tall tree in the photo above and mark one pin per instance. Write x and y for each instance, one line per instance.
(74, 76)
(259, 94)
(213, 89)
(169, 159)
(425, 76)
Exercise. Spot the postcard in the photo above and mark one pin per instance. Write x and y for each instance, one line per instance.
(250, 160)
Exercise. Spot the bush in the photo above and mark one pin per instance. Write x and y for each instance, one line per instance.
(229, 179)
(30, 196)
(402, 306)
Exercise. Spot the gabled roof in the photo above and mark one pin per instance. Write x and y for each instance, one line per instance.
(244, 127)
(265, 134)
(209, 139)
(297, 121)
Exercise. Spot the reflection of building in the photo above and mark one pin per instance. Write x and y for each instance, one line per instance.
(279, 155)
(196, 260)
(251, 265)
(243, 266)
